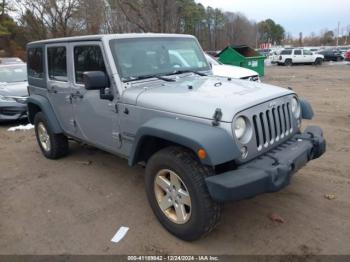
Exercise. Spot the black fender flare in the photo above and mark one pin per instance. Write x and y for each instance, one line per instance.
(219, 145)
(306, 109)
(45, 106)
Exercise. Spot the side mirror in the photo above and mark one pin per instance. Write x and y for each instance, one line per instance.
(95, 80)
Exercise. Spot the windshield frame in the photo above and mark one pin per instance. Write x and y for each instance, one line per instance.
(125, 79)
(12, 67)
(211, 59)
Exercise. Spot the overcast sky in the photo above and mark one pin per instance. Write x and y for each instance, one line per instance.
(294, 15)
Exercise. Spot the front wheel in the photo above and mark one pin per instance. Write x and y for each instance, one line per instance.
(52, 145)
(178, 195)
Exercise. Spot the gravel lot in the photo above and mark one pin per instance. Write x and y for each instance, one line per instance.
(72, 206)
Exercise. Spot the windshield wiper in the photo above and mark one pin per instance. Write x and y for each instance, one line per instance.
(178, 72)
(136, 78)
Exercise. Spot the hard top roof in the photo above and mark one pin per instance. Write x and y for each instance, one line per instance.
(105, 36)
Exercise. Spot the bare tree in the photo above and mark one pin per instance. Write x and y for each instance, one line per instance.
(151, 15)
(49, 18)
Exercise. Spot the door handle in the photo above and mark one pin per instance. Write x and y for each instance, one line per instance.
(77, 95)
(52, 90)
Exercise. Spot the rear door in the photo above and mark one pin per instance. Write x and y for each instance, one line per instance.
(59, 84)
(96, 119)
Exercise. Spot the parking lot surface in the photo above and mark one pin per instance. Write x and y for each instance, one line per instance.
(75, 205)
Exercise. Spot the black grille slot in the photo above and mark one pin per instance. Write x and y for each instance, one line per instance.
(272, 125)
(289, 117)
(263, 127)
(256, 131)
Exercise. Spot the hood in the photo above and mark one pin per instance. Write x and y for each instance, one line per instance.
(201, 96)
(14, 89)
(232, 71)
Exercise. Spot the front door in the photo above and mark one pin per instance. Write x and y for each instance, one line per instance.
(298, 56)
(96, 119)
(308, 57)
(58, 85)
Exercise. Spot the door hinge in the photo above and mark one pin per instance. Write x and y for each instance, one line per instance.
(73, 122)
(117, 137)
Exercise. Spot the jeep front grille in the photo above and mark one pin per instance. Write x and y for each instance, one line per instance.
(272, 125)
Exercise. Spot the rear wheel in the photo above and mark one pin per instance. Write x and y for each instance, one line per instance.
(52, 145)
(178, 195)
(288, 62)
(318, 61)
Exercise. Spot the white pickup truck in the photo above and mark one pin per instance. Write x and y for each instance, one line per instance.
(289, 57)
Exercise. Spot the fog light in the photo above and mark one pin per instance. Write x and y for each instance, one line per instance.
(244, 152)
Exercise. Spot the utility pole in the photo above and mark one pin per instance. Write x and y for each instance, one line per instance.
(338, 34)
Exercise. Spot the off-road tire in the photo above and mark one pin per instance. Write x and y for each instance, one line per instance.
(59, 143)
(205, 212)
(318, 61)
(288, 62)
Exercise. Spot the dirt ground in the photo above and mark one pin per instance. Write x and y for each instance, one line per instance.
(69, 207)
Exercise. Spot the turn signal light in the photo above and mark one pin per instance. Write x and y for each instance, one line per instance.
(202, 154)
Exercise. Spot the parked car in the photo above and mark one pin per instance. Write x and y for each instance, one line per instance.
(347, 56)
(10, 60)
(237, 72)
(332, 55)
(13, 92)
(203, 139)
(265, 52)
(289, 57)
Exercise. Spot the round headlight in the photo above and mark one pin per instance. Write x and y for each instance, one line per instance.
(240, 127)
(296, 107)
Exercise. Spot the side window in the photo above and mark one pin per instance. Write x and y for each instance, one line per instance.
(35, 62)
(87, 58)
(57, 63)
(307, 52)
(297, 52)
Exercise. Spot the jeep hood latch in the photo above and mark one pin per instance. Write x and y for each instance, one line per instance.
(217, 117)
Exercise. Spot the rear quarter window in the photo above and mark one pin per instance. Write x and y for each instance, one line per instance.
(35, 62)
(286, 52)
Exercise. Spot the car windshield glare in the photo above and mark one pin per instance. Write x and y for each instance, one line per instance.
(145, 57)
(12, 74)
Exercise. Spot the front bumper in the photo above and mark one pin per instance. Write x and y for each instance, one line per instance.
(12, 111)
(269, 172)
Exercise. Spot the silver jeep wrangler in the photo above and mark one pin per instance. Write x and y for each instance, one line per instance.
(203, 139)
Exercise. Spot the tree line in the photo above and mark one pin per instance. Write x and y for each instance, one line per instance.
(22, 21)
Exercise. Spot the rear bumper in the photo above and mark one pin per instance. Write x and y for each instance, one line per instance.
(271, 171)
(13, 111)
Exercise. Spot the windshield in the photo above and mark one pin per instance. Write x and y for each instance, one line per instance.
(139, 57)
(12, 74)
